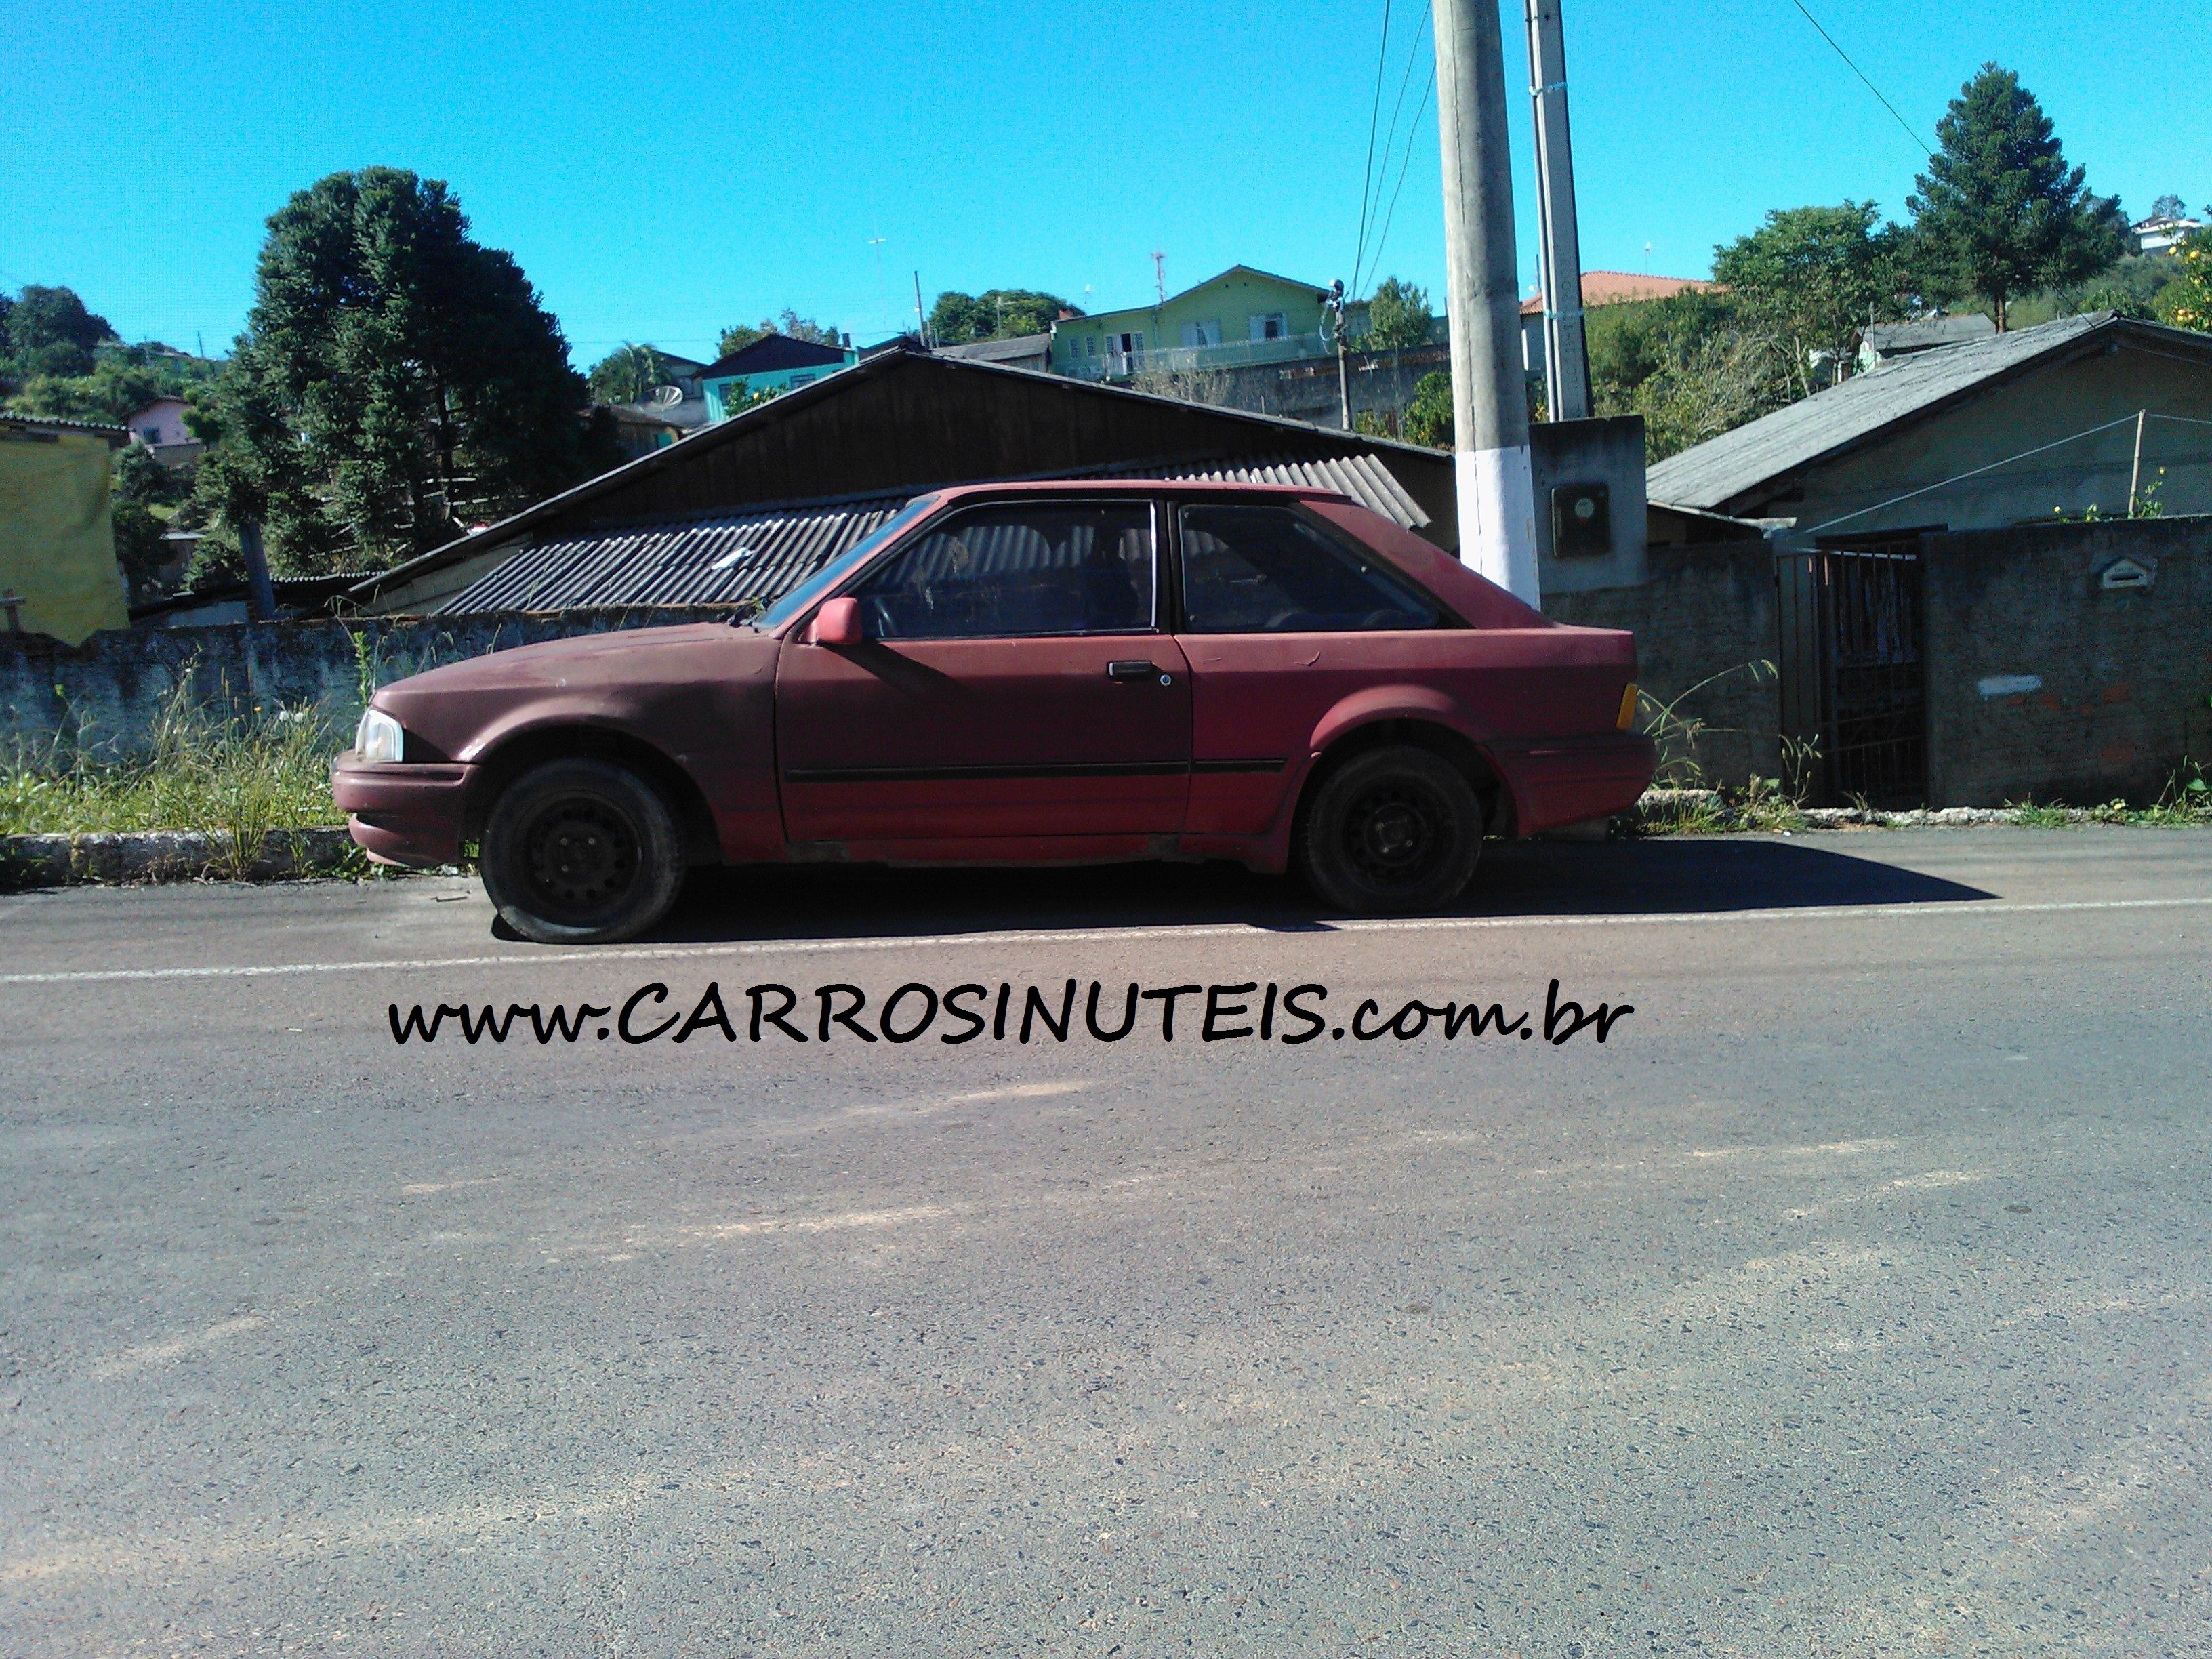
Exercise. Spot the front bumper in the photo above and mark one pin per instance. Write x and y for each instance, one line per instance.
(1566, 781)
(404, 812)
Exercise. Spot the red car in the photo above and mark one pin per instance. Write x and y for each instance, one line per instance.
(1036, 673)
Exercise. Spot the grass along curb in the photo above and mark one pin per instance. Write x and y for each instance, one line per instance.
(1710, 811)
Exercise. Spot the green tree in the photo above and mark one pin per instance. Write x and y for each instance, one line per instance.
(396, 379)
(2186, 301)
(1398, 316)
(139, 478)
(739, 336)
(1814, 277)
(1428, 416)
(1999, 212)
(1713, 383)
(998, 314)
(50, 332)
(629, 373)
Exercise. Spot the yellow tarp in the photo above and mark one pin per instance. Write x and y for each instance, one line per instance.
(57, 543)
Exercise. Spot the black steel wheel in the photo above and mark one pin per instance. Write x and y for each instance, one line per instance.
(582, 852)
(1390, 831)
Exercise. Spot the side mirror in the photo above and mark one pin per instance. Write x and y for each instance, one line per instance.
(837, 623)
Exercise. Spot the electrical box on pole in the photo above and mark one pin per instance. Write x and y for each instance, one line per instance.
(1489, 397)
(1567, 355)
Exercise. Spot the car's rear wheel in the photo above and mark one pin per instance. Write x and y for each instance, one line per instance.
(582, 852)
(1391, 831)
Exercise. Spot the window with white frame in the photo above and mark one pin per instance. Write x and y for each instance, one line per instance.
(1206, 332)
(1270, 325)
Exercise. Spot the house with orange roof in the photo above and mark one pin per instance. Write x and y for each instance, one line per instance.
(1600, 288)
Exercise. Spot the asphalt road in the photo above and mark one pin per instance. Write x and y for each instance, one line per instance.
(1849, 1299)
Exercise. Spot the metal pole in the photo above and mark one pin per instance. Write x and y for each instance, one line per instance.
(920, 321)
(261, 596)
(1566, 356)
(1490, 400)
(2134, 473)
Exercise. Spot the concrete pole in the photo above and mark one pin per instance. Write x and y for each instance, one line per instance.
(1566, 358)
(1490, 400)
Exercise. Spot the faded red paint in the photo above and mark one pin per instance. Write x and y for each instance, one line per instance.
(1174, 757)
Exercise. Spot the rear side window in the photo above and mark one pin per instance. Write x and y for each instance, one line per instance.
(1019, 571)
(1266, 570)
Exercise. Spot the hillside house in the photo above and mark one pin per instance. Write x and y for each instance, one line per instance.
(1241, 316)
(775, 363)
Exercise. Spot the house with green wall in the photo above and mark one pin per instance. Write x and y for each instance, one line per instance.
(1241, 316)
(775, 363)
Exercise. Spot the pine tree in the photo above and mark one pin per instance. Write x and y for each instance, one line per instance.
(396, 379)
(1999, 212)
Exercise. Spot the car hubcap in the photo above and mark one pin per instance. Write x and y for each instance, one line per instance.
(583, 855)
(1395, 836)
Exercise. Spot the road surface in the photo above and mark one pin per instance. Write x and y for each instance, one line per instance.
(1850, 1299)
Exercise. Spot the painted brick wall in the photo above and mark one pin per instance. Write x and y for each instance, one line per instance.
(1705, 614)
(2120, 676)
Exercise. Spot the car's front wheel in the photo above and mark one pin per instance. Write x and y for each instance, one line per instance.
(1391, 831)
(582, 852)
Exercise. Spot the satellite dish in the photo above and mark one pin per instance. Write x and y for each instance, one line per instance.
(666, 395)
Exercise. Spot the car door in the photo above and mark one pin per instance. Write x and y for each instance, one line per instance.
(1282, 616)
(1012, 683)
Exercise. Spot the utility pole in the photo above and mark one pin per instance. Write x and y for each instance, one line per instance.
(1490, 400)
(1333, 301)
(1566, 358)
(920, 321)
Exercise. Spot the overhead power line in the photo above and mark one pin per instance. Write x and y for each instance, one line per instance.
(1916, 142)
(1361, 271)
(1369, 196)
(1419, 110)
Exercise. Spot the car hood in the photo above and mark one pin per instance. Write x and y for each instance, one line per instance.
(644, 679)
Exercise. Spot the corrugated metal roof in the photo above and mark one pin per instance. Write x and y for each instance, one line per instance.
(738, 558)
(1718, 471)
(756, 556)
(114, 434)
(899, 389)
(1363, 477)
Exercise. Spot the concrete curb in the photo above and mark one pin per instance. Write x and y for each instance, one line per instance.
(171, 855)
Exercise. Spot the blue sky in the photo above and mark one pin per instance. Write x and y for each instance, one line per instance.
(662, 169)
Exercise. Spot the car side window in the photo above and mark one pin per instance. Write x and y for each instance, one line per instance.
(1250, 569)
(1019, 570)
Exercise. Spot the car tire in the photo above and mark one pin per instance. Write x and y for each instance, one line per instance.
(582, 852)
(1391, 831)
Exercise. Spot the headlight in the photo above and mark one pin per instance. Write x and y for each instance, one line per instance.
(378, 737)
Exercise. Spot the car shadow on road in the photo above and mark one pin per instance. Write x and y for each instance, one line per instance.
(1528, 879)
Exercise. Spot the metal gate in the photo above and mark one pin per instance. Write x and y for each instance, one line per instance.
(1853, 684)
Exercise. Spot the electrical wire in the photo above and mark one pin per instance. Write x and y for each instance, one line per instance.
(1367, 172)
(1870, 85)
(1959, 477)
(1390, 139)
(1419, 110)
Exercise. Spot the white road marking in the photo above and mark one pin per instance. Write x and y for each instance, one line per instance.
(1114, 936)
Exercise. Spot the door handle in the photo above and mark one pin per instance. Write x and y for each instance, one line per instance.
(1137, 671)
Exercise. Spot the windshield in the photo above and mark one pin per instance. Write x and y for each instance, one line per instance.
(843, 565)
